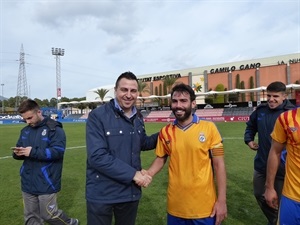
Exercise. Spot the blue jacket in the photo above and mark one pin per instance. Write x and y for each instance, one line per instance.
(41, 170)
(114, 144)
(261, 122)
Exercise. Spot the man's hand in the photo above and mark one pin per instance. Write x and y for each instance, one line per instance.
(220, 211)
(253, 145)
(271, 198)
(20, 151)
(142, 179)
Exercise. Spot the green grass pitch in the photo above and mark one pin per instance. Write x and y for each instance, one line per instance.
(242, 207)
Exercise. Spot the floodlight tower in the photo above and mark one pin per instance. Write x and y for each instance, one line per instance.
(22, 89)
(58, 52)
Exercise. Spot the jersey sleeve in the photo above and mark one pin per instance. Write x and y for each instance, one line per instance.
(278, 134)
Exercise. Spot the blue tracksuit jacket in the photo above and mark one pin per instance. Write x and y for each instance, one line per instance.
(41, 171)
(261, 122)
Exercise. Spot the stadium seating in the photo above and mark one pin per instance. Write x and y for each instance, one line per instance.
(238, 111)
(160, 114)
(73, 116)
(209, 112)
(234, 111)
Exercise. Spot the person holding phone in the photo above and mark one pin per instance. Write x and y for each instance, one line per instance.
(41, 146)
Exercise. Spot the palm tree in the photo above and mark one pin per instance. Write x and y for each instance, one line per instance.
(142, 87)
(101, 93)
(168, 83)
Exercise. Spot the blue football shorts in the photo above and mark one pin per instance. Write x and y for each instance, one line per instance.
(289, 211)
(173, 220)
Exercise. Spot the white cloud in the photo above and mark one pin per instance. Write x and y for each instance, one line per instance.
(102, 39)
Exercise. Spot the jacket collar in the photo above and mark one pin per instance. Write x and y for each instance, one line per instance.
(118, 107)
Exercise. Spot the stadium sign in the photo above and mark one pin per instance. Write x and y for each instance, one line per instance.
(233, 68)
(291, 61)
(161, 77)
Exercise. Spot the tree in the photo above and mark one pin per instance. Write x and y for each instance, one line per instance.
(142, 87)
(39, 102)
(219, 98)
(209, 99)
(64, 99)
(53, 102)
(101, 93)
(168, 83)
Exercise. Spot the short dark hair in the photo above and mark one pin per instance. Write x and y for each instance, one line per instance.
(127, 75)
(28, 105)
(181, 87)
(276, 86)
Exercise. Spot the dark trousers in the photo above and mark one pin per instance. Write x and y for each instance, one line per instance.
(259, 180)
(102, 214)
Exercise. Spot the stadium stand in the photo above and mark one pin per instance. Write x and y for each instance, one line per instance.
(160, 114)
(209, 112)
(238, 111)
(73, 116)
(206, 112)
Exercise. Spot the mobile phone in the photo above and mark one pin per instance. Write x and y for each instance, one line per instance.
(13, 148)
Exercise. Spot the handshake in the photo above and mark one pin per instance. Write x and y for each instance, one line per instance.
(142, 178)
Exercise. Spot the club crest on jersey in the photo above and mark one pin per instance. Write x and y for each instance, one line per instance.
(44, 132)
(202, 137)
(293, 129)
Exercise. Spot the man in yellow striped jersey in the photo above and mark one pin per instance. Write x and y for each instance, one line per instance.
(196, 154)
(286, 134)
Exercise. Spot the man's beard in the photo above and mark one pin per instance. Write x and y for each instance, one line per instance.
(184, 116)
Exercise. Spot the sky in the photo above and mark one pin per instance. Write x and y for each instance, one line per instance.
(104, 38)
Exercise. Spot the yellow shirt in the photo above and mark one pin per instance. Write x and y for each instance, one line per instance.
(191, 189)
(287, 130)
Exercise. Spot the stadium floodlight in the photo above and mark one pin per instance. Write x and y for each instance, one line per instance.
(58, 52)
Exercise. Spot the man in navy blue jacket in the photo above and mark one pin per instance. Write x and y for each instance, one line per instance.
(115, 137)
(41, 146)
(261, 122)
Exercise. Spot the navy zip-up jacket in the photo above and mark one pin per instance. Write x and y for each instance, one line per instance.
(41, 170)
(262, 122)
(114, 143)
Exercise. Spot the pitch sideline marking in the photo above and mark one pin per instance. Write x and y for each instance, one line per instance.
(224, 138)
